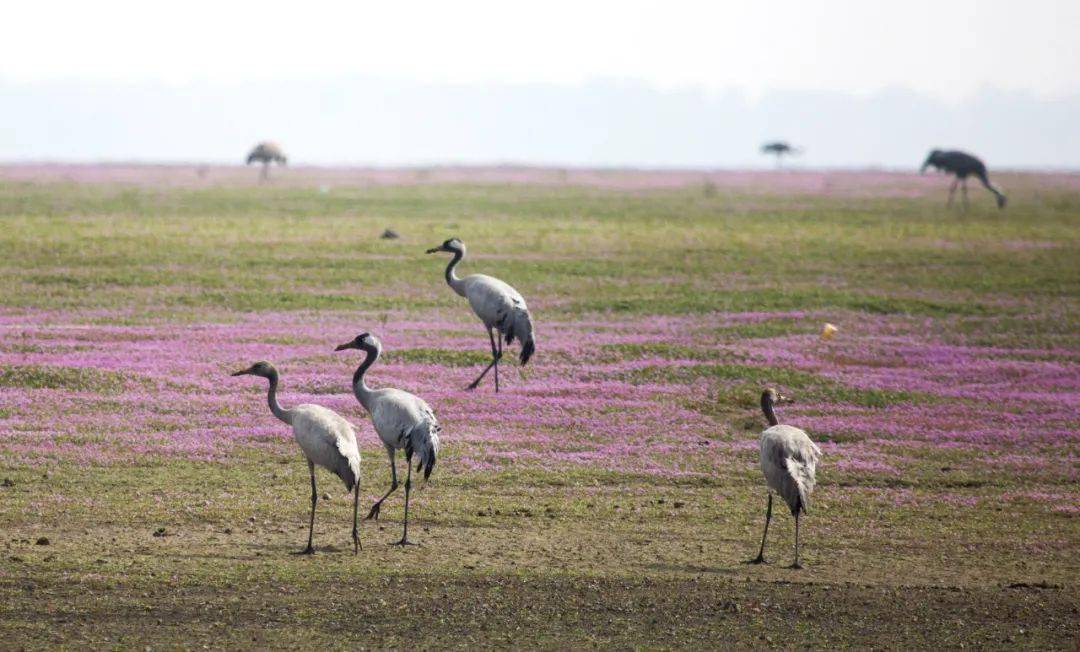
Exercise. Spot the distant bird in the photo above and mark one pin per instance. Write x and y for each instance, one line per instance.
(962, 165)
(326, 438)
(788, 460)
(779, 149)
(266, 153)
(402, 420)
(498, 305)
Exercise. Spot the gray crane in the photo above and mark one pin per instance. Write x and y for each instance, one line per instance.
(789, 461)
(962, 165)
(326, 438)
(402, 421)
(498, 305)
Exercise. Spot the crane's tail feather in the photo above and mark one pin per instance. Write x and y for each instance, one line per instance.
(518, 325)
(348, 468)
(424, 439)
(802, 473)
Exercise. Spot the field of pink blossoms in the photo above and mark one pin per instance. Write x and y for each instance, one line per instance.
(627, 395)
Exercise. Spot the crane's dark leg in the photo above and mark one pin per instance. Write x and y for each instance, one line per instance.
(498, 356)
(760, 559)
(494, 361)
(952, 191)
(265, 173)
(355, 506)
(310, 550)
(408, 487)
(797, 565)
(374, 513)
(963, 192)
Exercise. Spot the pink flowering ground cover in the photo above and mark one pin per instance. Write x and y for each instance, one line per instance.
(627, 395)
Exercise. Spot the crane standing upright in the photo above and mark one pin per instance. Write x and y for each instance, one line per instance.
(402, 421)
(789, 461)
(326, 438)
(498, 305)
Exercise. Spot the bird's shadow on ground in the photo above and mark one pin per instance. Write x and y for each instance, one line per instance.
(688, 568)
(251, 552)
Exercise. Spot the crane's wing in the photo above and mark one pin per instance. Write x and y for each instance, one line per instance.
(789, 461)
(328, 440)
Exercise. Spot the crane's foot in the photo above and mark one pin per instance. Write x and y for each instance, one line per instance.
(756, 560)
(795, 566)
(356, 545)
(404, 542)
(306, 551)
(374, 513)
(473, 385)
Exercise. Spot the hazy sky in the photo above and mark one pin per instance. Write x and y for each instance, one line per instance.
(583, 82)
(945, 48)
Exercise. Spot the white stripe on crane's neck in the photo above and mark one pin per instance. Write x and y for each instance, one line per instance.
(271, 398)
(451, 276)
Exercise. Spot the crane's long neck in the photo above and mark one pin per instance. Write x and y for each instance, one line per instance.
(271, 398)
(360, 387)
(767, 408)
(451, 275)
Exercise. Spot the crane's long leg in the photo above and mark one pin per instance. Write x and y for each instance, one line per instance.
(310, 550)
(265, 174)
(760, 559)
(408, 486)
(495, 353)
(498, 356)
(374, 513)
(952, 191)
(963, 192)
(797, 565)
(355, 506)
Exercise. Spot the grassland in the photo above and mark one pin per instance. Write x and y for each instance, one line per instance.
(610, 494)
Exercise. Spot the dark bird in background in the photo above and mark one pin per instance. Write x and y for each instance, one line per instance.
(779, 149)
(961, 165)
(266, 153)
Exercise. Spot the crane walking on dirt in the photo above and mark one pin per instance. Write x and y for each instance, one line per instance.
(788, 459)
(498, 305)
(961, 165)
(326, 438)
(402, 421)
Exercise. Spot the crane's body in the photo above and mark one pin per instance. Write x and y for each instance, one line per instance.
(266, 153)
(402, 420)
(962, 165)
(789, 462)
(326, 438)
(498, 305)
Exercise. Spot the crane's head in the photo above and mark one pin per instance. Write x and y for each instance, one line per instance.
(453, 245)
(362, 341)
(774, 397)
(931, 159)
(260, 368)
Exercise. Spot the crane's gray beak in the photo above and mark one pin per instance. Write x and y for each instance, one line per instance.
(434, 250)
(351, 344)
(780, 398)
(243, 372)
